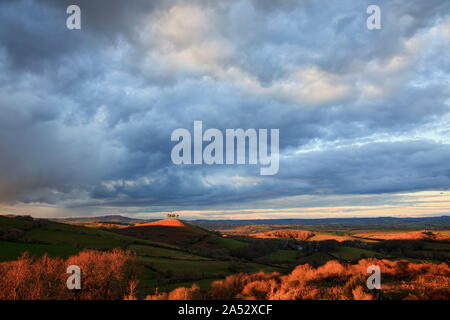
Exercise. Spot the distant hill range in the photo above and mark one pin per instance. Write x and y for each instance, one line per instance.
(118, 219)
(442, 222)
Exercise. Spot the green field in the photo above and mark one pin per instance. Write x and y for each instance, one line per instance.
(227, 243)
(283, 256)
(150, 251)
(80, 240)
(350, 253)
(315, 259)
(256, 267)
(169, 273)
(13, 250)
(175, 266)
(445, 246)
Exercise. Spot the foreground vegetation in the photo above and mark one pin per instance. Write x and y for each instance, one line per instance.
(203, 257)
(332, 281)
(172, 258)
(105, 275)
(114, 275)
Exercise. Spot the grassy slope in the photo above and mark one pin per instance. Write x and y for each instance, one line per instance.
(321, 236)
(316, 259)
(444, 246)
(283, 256)
(13, 250)
(161, 261)
(167, 270)
(149, 251)
(181, 235)
(61, 240)
(226, 243)
(7, 222)
(351, 253)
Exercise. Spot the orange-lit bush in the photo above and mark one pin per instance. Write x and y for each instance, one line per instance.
(104, 275)
(28, 279)
(182, 293)
(300, 235)
(332, 281)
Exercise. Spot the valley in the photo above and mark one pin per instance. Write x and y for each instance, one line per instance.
(173, 253)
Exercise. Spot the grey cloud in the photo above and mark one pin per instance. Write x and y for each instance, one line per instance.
(87, 115)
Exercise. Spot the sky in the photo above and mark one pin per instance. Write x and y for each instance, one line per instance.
(87, 115)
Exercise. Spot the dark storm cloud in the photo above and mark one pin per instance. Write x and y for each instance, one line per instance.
(370, 169)
(87, 114)
(373, 168)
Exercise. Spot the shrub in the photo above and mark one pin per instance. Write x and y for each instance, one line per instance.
(336, 281)
(105, 275)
